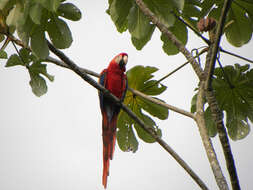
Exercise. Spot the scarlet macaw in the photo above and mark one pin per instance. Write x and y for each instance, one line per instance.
(114, 79)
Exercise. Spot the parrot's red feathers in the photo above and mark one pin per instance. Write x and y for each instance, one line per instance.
(114, 79)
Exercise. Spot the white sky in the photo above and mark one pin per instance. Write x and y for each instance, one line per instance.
(54, 142)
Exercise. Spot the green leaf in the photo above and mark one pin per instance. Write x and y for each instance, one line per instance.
(153, 109)
(38, 84)
(14, 60)
(235, 98)
(162, 9)
(210, 124)
(38, 68)
(3, 54)
(119, 10)
(36, 13)
(59, 33)
(140, 28)
(25, 54)
(180, 31)
(139, 79)
(239, 32)
(51, 5)
(2, 37)
(138, 24)
(125, 135)
(194, 103)
(179, 4)
(154, 88)
(39, 44)
(146, 137)
(24, 30)
(69, 11)
(14, 15)
(238, 128)
(138, 75)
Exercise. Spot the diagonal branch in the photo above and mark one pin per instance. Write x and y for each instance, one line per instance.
(220, 179)
(170, 107)
(171, 37)
(92, 82)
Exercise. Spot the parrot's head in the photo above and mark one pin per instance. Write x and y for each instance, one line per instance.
(120, 61)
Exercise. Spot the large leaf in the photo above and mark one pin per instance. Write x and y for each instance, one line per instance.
(51, 5)
(36, 13)
(59, 33)
(239, 32)
(69, 11)
(180, 31)
(125, 135)
(14, 60)
(234, 94)
(138, 24)
(15, 14)
(235, 98)
(162, 9)
(140, 27)
(39, 44)
(119, 10)
(37, 82)
(139, 78)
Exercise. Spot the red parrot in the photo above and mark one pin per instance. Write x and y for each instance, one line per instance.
(114, 79)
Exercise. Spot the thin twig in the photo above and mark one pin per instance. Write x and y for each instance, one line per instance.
(175, 70)
(170, 107)
(235, 55)
(149, 130)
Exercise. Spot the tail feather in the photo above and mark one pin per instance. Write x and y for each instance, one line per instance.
(109, 139)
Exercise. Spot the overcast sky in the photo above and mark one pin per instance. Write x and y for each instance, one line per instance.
(54, 142)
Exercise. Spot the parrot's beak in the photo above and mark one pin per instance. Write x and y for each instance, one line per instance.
(123, 62)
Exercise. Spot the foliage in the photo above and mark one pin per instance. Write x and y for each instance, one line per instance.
(127, 16)
(35, 68)
(31, 19)
(234, 92)
(139, 78)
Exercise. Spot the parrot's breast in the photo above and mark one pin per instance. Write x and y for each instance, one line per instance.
(116, 83)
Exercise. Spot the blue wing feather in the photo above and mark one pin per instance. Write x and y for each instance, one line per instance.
(102, 81)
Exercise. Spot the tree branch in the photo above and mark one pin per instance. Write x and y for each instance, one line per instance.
(170, 107)
(216, 112)
(220, 179)
(171, 37)
(149, 130)
(216, 44)
(235, 55)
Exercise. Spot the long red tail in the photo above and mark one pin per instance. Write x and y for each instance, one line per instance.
(109, 139)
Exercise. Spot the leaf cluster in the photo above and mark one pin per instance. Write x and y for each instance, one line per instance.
(140, 78)
(126, 15)
(35, 68)
(233, 88)
(32, 19)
